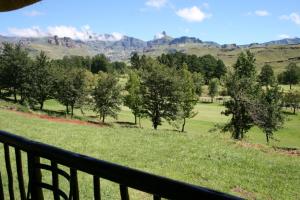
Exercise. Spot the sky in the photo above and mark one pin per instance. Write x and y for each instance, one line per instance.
(222, 21)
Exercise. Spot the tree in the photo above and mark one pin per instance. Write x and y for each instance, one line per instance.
(220, 69)
(41, 81)
(100, 63)
(70, 87)
(189, 97)
(213, 88)
(107, 96)
(266, 76)
(291, 75)
(135, 61)
(241, 87)
(292, 99)
(14, 66)
(209, 65)
(267, 112)
(160, 93)
(198, 82)
(134, 99)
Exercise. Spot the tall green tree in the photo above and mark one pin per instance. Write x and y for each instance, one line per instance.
(41, 81)
(134, 99)
(160, 94)
(267, 113)
(198, 82)
(291, 75)
(70, 85)
(107, 96)
(213, 88)
(135, 61)
(220, 70)
(189, 97)
(14, 67)
(241, 87)
(266, 76)
(100, 63)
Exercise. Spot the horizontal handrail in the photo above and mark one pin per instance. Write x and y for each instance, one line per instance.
(143, 181)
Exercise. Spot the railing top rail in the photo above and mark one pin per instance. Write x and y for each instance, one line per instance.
(132, 178)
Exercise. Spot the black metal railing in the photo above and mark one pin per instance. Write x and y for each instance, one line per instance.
(159, 187)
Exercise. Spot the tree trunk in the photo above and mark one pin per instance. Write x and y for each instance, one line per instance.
(135, 120)
(290, 86)
(267, 137)
(155, 126)
(72, 109)
(183, 125)
(294, 112)
(67, 107)
(15, 95)
(103, 119)
(41, 105)
(212, 100)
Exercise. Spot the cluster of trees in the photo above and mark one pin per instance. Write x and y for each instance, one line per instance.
(250, 103)
(207, 65)
(159, 92)
(153, 91)
(166, 88)
(290, 76)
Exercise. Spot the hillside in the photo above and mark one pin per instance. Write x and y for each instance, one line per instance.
(277, 53)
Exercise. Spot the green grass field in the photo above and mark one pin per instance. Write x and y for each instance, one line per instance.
(250, 169)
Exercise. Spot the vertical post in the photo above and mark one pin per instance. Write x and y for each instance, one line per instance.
(74, 184)
(9, 172)
(124, 192)
(55, 180)
(1, 188)
(20, 173)
(35, 177)
(97, 194)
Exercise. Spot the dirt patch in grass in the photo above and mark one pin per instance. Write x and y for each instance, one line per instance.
(58, 119)
(267, 149)
(244, 193)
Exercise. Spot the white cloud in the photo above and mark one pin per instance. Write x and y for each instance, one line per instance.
(294, 17)
(284, 36)
(33, 13)
(262, 13)
(34, 31)
(156, 3)
(193, 14)
(84, 33)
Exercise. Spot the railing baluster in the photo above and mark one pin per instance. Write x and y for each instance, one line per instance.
(74, 185)
(35, 177)
(20, 173)
(97, 194)
(155, 197)
(55, 180)
(1, 188)
(124, 192)
(9, 172)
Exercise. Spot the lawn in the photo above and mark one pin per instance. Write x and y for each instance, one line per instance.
(200, 156)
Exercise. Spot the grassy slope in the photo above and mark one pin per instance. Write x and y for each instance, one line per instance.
(198, 156)
(277, 56)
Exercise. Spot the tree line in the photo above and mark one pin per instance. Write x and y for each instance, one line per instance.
(165, 88)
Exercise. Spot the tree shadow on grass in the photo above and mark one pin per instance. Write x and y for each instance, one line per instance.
(127, 124)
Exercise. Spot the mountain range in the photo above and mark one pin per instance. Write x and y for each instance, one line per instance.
(119, 47)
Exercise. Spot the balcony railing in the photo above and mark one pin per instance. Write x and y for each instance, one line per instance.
(159, 187)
